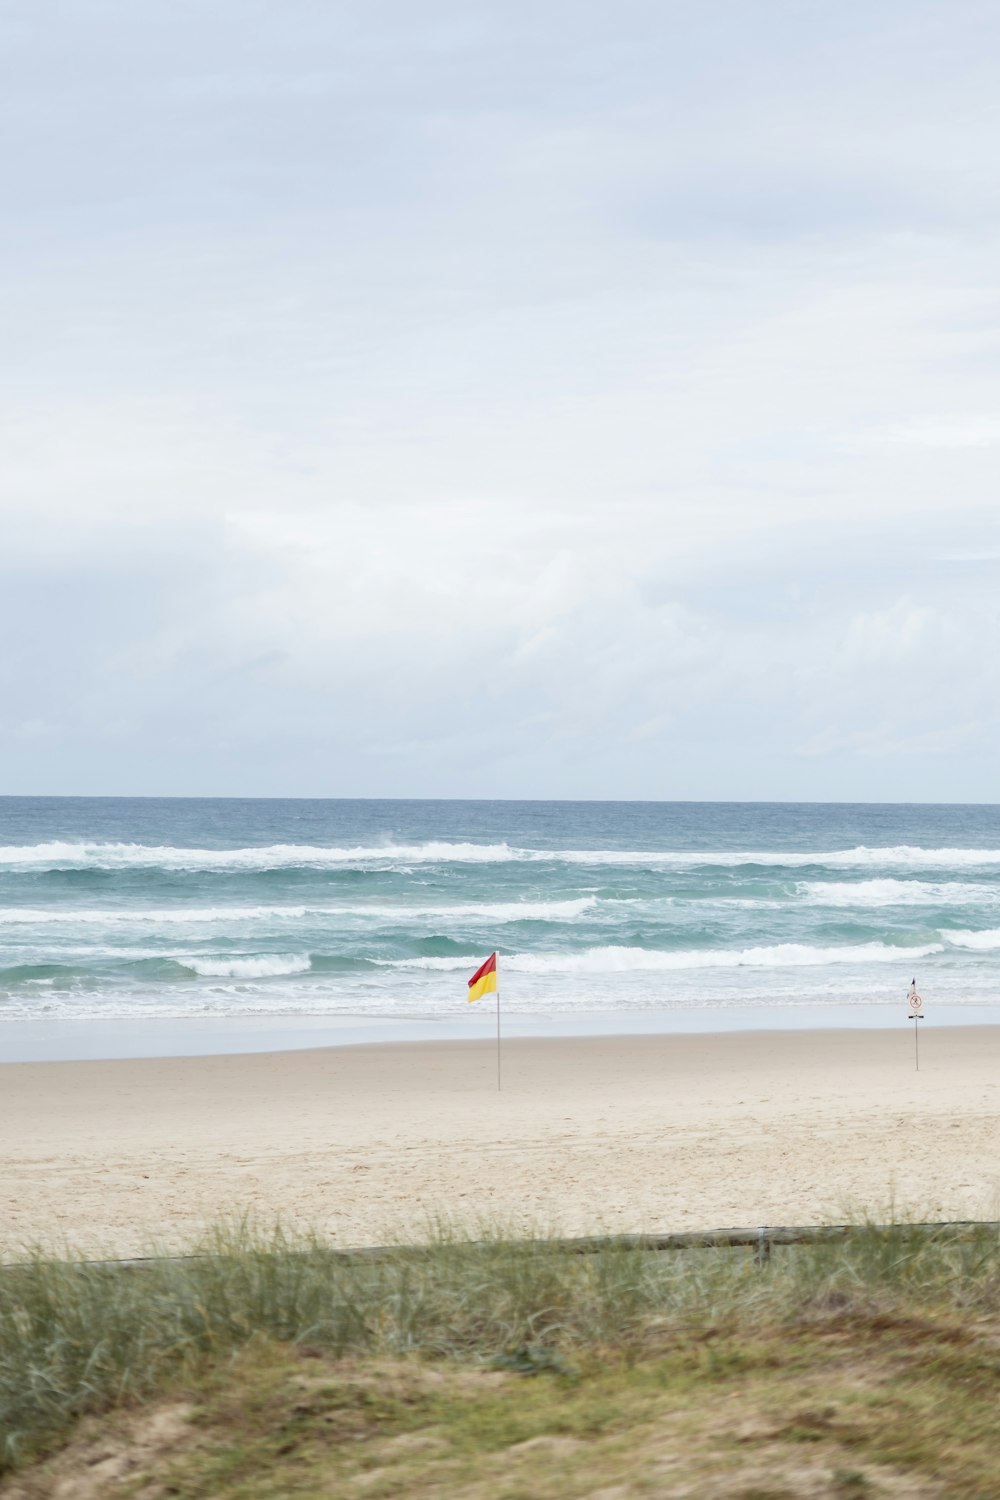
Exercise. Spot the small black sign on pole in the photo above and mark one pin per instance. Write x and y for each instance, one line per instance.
(916, 1005)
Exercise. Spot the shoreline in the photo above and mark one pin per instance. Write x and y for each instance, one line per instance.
(370, 1143)
(59, 1039)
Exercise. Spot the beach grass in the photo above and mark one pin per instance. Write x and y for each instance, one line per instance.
(267, 1365)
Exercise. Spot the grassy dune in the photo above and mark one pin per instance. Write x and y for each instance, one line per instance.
(270, 1369)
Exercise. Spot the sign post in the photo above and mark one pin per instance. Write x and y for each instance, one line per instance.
(916, 1005)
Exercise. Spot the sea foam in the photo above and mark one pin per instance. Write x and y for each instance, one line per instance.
(485, 911)
(889, 892)
(118, 856)
(263, 966)
(616, 959)
(983, 942)
(100, 856)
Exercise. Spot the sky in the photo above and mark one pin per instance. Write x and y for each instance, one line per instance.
(439, 398)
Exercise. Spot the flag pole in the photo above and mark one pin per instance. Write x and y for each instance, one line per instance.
(497, 953)
(916, 1016)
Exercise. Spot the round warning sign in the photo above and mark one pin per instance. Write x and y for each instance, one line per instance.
(915, 1003)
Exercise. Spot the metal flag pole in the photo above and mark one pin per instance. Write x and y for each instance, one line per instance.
(496, 952)
(916, 1016)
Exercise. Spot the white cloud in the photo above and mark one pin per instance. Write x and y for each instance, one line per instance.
(500, 400)
(954, 432)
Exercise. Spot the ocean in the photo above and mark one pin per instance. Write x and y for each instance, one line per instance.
(118, 910)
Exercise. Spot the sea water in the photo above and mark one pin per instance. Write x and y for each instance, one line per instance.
(291, 912)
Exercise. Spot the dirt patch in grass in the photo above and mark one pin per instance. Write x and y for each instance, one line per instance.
(823, 1411)
(109, 1456)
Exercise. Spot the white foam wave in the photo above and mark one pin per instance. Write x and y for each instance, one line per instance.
(251, 967)
(18, 916)
(96, 856)
(502, 911)
(983, 942)
(890, 892)
(108, 856)
(264, 965)
(617, 960)
(499, 911)
(862, 857)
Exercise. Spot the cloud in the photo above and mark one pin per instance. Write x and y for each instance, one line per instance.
(487, 399)
(954, 432)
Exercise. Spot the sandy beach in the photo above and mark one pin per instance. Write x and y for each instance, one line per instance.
(367, 1144)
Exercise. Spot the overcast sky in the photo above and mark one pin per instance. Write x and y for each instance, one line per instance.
(438, 398)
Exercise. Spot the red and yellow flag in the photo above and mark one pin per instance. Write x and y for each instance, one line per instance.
(484, 980)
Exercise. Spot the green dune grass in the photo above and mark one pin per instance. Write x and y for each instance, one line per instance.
(272, 1367)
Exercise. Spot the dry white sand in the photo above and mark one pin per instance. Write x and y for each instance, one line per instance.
(366, 1144)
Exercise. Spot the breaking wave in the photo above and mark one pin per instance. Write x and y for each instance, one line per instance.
(264, 965)
(95, 856)
(888, 892)
(982, 942)
(486, 911)
(617, 960)
(118, 856)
